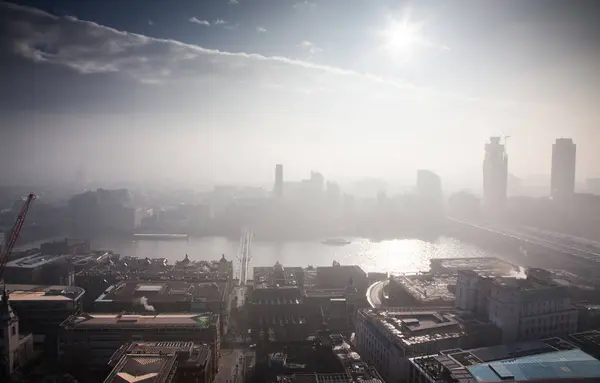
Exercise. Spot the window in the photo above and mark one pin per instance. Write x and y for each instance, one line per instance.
(13, 330)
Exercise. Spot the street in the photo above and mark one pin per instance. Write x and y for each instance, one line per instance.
(375, 294)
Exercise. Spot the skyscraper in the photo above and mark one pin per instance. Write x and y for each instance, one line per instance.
(495, 174)
(562, 183)
(429, 186)
(278, 188)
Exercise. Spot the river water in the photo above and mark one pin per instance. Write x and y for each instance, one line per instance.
(393, 256)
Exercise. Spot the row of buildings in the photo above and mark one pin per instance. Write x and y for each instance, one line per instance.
(495, 171)
(479, 304)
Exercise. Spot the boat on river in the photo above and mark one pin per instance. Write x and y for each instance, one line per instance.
(336, 241)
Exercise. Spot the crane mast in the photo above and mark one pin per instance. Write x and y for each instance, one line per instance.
(13, 235)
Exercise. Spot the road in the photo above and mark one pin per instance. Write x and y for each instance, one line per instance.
(230, 366)
(375, 294)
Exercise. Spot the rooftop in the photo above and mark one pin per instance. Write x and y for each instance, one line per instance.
(34, 293)
(146, 368)
(457, 362)
(591, 337)
(99, 321)
(428, 287)
(414, 327)
(166, 291)
(569, 364)
(278, 274)
(33, 261)
(489, 264)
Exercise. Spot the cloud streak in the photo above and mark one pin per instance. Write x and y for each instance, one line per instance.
(88, 47)
(195, 20)
(261, 30)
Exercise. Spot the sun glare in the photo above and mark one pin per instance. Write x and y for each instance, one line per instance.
(401, 37)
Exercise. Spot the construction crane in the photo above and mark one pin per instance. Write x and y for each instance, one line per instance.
(9, 242)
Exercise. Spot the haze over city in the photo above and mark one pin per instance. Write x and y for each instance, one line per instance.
(220, 91)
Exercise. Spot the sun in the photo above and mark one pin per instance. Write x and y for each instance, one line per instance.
(400, 38)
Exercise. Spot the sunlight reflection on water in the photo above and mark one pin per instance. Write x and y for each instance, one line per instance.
(395, 256)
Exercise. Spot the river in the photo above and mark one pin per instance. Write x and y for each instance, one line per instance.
(393, 256)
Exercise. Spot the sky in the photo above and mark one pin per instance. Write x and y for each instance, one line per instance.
(222, 90)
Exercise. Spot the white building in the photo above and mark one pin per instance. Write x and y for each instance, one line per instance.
(528, 308)
(388, 338)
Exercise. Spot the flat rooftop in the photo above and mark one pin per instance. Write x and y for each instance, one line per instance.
(168, 291)
(99, 321)
(489, 264)
(415, 327)
(33, 293)
(33, 261)
(567, 365)
(591, 337)
(457, 362)
(428, 287)
(265, 276)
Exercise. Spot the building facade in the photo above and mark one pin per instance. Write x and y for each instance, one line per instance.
(495, 174)
(388, 338)
(89, 340)
(562, 182)
(523, 308)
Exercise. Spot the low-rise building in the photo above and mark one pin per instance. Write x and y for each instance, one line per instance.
(167, 297)
(89, 340)
(551, 359)
(176, 362)
(388, 338)
(41, 310)
(525, 308)
(40, 269)
(422, 290)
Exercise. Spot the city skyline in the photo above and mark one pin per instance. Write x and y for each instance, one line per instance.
(193, 90)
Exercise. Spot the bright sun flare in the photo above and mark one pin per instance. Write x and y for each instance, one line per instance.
(401, 37)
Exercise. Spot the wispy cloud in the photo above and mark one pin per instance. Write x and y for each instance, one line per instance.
(233, 2)
(307, 5)
(88, 47)
(261, 29)
(219, 22)
(195, 20)
(310, 47)
(231, 26)
(150, 22)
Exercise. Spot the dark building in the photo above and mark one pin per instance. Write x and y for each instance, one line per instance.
(278, 188)
(88, 341)
(564, 153)
(326, 357)
(495, 174)
(167, 297)
(168, 362)
(41, 310)
(40, 269)
(340, 276)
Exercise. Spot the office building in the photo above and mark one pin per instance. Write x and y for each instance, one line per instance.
(278, 188)
(88, 341)
(548, 360)
(523, 308)
(562, 182)
(167, 297)
(40, 269)
(168, 362)
(41, 310)
(388, 338)
(495, 174)
(429, 187)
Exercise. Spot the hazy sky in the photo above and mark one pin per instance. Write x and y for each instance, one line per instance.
(221, 90)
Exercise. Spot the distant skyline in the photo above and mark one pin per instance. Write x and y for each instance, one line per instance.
(220, 91)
